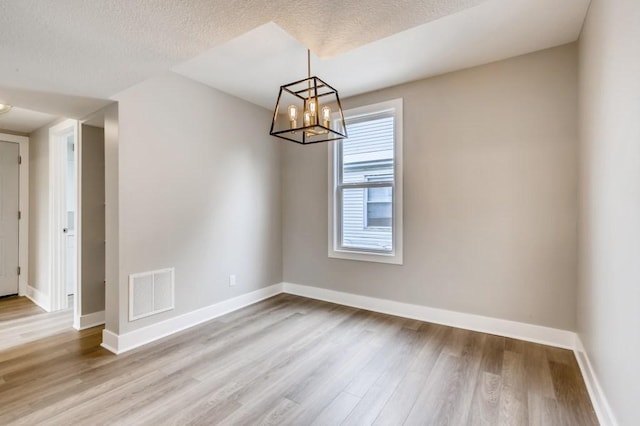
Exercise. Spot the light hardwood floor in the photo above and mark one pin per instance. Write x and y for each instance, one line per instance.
(290, 360)
(22, 321)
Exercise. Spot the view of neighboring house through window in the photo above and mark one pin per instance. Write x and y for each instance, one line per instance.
(379, 204)
(365, 192)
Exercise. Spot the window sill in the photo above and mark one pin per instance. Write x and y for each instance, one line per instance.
(394, 259)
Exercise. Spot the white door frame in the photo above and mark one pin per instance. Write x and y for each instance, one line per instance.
(23, 226)
(58, 214)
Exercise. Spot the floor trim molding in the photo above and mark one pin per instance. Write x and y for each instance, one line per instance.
(517, 330)
(597, 395)
(39, 298)
(89, 320)
(120, 343)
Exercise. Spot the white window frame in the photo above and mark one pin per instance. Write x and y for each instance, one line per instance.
(334, 249)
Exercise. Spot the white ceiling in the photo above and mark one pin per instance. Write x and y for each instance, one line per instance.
(33, 106)
(24, 120)
(69, 57)
(254, 65)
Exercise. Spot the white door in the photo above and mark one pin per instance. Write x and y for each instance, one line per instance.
(9, 193)
(69, 227)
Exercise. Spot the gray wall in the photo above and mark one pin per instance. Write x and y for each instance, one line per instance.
(490, 205)
(609, 290)
(112, 212)
(93, 248)
(199, 190)
(39, 208)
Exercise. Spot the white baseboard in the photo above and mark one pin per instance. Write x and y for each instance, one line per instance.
(598, 398)
(529, 332)
(90, 320)
(120, 343)
(110, 341)
(517, 330)
(39, 298)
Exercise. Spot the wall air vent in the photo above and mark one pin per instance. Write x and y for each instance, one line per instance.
(151, 293)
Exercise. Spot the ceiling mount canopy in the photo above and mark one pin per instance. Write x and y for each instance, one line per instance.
(308, 111)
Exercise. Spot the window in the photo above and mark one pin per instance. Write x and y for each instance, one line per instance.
(365, 191)
(378, 209)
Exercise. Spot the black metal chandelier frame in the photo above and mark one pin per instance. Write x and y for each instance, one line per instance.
(307, 90)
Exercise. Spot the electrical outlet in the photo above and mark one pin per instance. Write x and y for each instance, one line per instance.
(232, 280)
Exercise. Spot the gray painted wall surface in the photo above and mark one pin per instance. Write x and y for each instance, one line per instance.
(39, 208)
(93, 231)
(112, 213)
(490, 205)
(609, 290)
(199, 190)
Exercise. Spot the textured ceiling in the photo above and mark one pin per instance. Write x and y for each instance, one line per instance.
(69, 57)
(96, 48)
(254, 65)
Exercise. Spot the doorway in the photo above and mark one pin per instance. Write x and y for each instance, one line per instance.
(9, 218)
(69, 230)
(63, 207)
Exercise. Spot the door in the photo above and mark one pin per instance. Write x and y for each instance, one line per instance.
(9, 206)
(62, 210)
(69, 229)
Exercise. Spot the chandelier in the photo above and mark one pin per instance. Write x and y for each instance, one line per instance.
(308, 111)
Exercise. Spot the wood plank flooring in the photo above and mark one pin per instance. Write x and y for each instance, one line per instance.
(22, 321)
(291, 360)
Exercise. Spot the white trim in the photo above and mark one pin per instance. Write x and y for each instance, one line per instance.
(77, 305)
(89, 320)
(517, 330)
(597, 395)
(513, 329)
(39, 298)
(119, 343)
(57, 214)
(110, 342)
(396, 255)
(23, 226)
(529, 332)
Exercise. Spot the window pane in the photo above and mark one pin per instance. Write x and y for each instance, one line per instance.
(379, 214)
(368, 151)
(358, 230)
(381, 195)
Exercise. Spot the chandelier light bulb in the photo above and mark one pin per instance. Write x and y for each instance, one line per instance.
(326, 116)
(312, 107)
(293, 115)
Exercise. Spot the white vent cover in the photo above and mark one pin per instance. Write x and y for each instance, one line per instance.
(151, 293)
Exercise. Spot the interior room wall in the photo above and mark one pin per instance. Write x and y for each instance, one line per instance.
(609, 289)
(199, 190)
(111, 219)
(39, 208)
(92, 217)
(490, 204)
